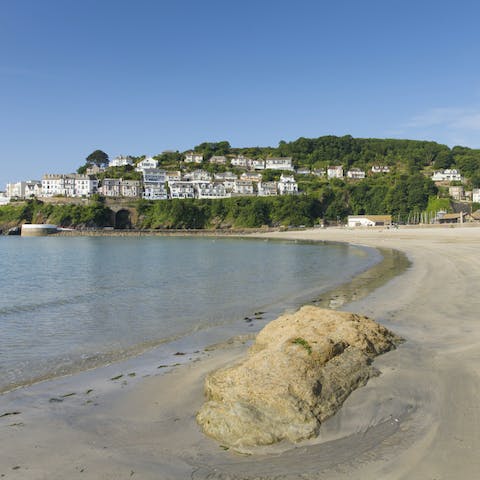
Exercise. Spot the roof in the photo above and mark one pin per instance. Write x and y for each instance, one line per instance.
(380, 218)
(282, 159)
(374, 218)
(451, 216)
(475, 215)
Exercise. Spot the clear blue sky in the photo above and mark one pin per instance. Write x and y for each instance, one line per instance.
(138, 77)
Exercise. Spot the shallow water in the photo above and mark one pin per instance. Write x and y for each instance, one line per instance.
(68, 304)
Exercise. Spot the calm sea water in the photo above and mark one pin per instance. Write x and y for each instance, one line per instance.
(72, 303)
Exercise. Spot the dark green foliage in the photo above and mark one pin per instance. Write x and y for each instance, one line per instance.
(270, 175)
(237, 212)
(437, 204)
(396, 194)
(98, 158)
(209, 149)
(170, 160)
(95, 214)
(126, 172)
(362, 152)
(189, 214)
(467, 161)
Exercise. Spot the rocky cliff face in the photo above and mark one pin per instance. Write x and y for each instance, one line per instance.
(298, 373)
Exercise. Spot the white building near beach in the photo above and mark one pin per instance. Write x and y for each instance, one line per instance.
(154, 184)
(210, 190)
(118, 187)
(26, 189)
(181, 189)
(15, 190)
(68, 185)
(369, 220)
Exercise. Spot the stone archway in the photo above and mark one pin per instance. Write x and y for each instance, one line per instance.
(123, 219)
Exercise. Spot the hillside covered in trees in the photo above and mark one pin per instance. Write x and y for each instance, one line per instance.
(406, 190)
(407, 156)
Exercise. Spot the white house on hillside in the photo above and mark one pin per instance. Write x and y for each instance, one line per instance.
(146, 163)
(117, 187)
(240, 161)
(110, 187)
(218, 160)
(193, 157)
(476, 195)
(279, 163)
(85, 185)
(355, 173)
(181, 189)
(175, 176)
(210, 190)
(4, 200)
(221, 177)
(227, 178)
(198, 175)
(251, 176)
(267, 189)
(154, 184)
(380, 169)
(131, 188)
(448, 175)
(257, 164)
(33, 188)
(335, 171)
(27, 189)
(457, 192)
(69, 185)
(243, 187)
(287, 185)
(121, 161)
(94, 169)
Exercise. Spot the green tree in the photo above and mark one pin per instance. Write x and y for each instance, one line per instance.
(98, 158)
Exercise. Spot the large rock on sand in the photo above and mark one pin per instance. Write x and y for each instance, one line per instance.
(298, 373)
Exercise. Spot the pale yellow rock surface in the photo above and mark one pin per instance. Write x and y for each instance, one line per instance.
(298, 372)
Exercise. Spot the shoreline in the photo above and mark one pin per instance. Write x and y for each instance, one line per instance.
(378, 270)
(398, 426)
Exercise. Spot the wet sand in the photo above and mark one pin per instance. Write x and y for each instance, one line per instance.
(420, 419)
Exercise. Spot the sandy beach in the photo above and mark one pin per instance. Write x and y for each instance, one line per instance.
(420, 419)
